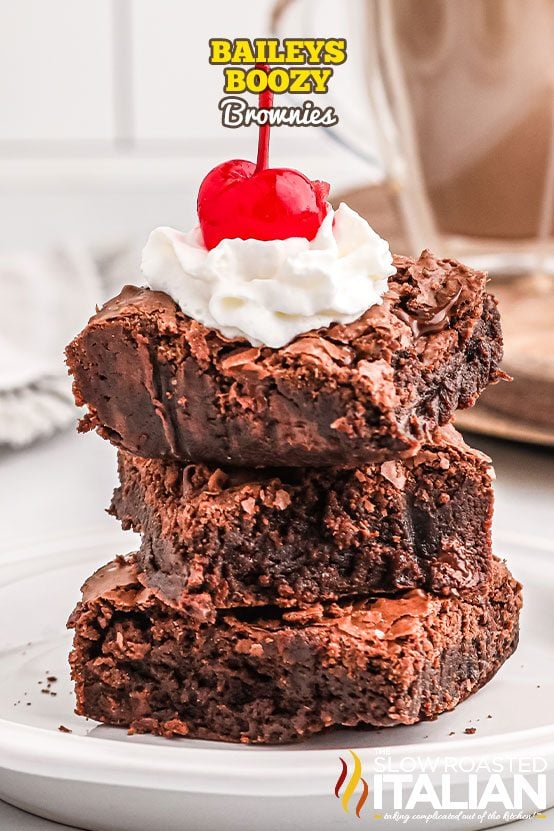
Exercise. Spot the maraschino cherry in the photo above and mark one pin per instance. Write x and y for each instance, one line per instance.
(253, 201)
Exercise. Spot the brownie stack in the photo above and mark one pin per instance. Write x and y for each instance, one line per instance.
(316, 546)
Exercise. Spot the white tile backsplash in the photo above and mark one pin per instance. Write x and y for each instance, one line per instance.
(109, 118)
(177, 91)
(131, 74)
(55, 70)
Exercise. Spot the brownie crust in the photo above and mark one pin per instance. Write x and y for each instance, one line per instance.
(275, 678)
(216, 538)
(161, 385)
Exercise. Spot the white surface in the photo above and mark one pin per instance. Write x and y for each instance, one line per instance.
(67, 482)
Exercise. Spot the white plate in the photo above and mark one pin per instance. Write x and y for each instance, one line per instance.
(100, 778)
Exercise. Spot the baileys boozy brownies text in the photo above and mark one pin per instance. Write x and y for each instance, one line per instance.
(315, 534)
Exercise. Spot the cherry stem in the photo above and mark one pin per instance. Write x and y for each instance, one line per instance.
(265, 102)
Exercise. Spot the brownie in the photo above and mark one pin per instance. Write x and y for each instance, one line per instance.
(272, 677)
(162, 385)
(223, 537)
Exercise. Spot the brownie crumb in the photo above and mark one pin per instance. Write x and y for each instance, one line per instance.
(51, 679)
(470, 730)
(489, 716)
(63, 729)
(452, 733)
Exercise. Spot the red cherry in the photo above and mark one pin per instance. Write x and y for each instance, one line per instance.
(251, 201)
(277, 203)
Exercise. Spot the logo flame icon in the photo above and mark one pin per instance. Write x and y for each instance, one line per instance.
(352, 784)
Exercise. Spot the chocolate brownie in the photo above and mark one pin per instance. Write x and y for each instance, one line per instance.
(162, 385)
(217, 538)
(272, 677)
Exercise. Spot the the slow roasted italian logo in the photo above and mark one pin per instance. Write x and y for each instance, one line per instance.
(351, 780)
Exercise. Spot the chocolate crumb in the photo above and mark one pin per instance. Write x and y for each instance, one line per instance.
(470, 730)
(489, 716)
(51, 679)
(45, 692)
(452, 733)
(63, 729)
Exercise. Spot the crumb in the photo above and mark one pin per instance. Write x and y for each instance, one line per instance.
(63, 729)
(53, 693)
(538, 686)
(489, 716)
(51, 679)
(45, 692)
(452, 733)
(28, 704)
(470, 730)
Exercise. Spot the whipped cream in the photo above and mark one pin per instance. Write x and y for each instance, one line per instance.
(268, 292)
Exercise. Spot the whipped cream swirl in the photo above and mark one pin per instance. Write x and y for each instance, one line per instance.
(268, 292)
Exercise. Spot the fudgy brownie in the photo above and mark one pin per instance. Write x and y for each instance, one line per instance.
(162, 385)
(218, 538)
(265, 676)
